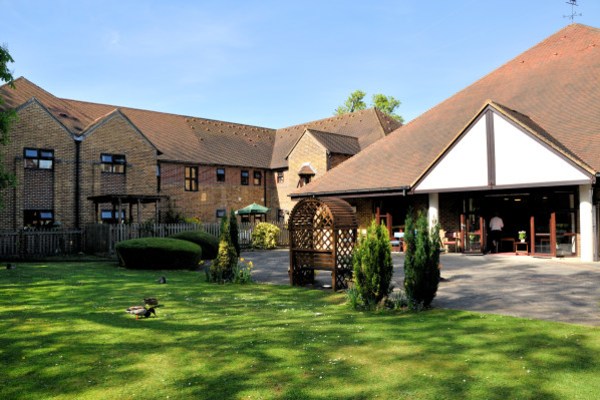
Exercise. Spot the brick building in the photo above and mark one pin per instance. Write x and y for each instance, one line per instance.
(523, 142)
(78, 162)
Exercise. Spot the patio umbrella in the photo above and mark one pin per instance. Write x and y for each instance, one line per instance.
(252, 209)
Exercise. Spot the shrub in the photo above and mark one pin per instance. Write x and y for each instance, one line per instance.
(242, 273)
(373, 267)
(421, 261)
(264, 236)
(208, 242)
(221, 269)
(158, 253)
(234, 232)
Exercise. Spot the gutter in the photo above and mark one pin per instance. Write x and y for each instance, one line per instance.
(402, 191)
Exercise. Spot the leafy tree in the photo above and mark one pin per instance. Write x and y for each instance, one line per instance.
(385, 104)
(372, 264)
(421, 261)
(354, 102)
(234, 232)
(7, 117)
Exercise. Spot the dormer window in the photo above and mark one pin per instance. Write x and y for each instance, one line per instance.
(306, 173)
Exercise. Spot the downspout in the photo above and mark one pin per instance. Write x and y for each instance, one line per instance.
(265, 187)
(77, 181)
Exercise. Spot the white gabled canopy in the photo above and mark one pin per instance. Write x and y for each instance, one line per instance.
(498, 151)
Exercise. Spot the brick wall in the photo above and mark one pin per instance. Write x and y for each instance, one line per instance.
(307, 150)
(213, 195)
(54, 189)
(117, 136)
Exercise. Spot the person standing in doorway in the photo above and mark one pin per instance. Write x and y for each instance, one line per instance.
(496, 225)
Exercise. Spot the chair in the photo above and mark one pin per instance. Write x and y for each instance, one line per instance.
(449, 239)
(398, 242)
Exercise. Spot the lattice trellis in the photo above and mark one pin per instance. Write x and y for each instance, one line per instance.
(322, 237)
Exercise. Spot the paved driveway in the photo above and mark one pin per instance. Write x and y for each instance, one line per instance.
(564, 290)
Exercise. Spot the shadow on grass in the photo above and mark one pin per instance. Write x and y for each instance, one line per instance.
(64, 332)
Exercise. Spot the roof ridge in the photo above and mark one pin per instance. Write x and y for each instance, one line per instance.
(169, 113)
(331, 133)
(340, 116)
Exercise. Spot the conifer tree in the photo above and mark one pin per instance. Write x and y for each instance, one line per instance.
(421, 262)
(372, 263)
(234, 232)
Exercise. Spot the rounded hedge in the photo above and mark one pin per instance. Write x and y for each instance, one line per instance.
(158, 253)
(208, 242)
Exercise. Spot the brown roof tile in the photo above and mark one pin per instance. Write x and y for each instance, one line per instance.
(555, 84)
(74, 119)
(367, 126)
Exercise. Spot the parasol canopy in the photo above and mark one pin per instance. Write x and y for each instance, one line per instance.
(252, 209)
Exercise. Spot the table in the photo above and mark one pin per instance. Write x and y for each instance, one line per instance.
(521, 251)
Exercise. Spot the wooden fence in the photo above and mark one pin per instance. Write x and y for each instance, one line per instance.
(40, 243)
(102, 238)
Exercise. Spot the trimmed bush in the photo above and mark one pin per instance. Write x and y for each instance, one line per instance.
(158, 253)
(373, 267)
(264, 236)
(208, 242)
(421, 261)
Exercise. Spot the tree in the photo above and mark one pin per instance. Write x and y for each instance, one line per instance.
(354, 102)
(385, 104)
(234, 232)
(7, 117)
(421, 261)
(372, 264)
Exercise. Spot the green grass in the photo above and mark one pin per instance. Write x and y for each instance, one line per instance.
(64, 334)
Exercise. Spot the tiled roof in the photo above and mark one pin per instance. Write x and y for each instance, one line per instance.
(336, 143)
(306, 169)
(191, 139)
(74, 119)
(554, 85)
(367, 125)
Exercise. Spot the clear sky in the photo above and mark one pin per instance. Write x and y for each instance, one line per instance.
(271, 63)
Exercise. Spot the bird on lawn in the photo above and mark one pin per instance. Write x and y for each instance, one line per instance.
(162, 279)
(150, 301)
(141, 311)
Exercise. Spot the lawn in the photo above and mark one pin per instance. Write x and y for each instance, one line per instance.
(64, 334)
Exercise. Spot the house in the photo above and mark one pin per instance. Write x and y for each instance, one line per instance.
(522, 141)
(78, 162)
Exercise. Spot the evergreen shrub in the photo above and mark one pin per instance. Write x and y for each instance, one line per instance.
(421, 261)
(222, 268)
(373, 267)
(208, 242)
(158, 253)
(264, 236)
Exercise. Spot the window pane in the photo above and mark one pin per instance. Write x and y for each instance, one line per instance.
(46, 154)
(106, 158)
(31, 153)
(45, 164)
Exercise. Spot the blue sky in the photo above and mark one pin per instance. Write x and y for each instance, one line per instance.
(271, 63)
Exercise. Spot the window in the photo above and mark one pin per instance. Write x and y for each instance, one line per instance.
(191, 179)
(220, 174)
(221, 213)
(111, 217)
(38, 218)
(279, 176)
(38, 158)
(112, 163)
(257, 178)
(245, 177)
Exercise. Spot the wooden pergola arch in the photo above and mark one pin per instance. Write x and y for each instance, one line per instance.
(322, 237)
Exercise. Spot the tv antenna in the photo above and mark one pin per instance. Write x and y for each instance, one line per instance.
(573, 14)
